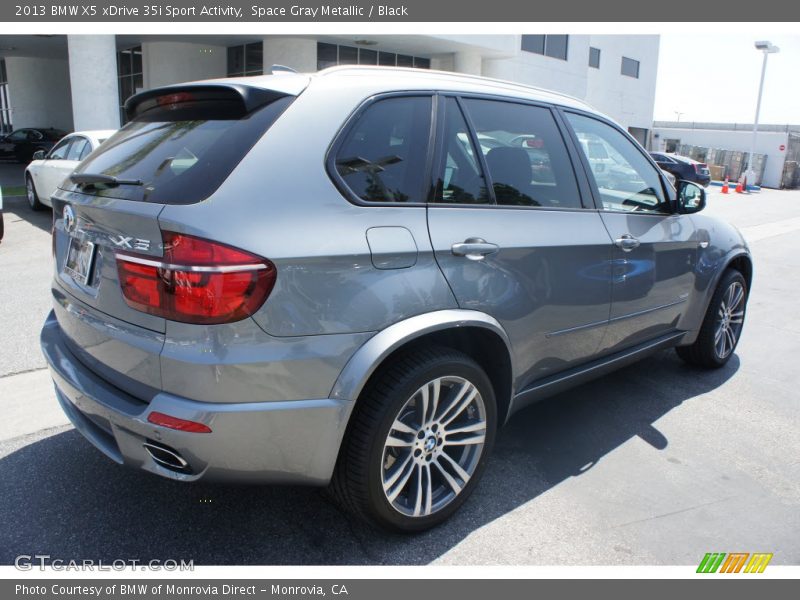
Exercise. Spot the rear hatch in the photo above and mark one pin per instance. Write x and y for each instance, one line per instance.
(181, 143)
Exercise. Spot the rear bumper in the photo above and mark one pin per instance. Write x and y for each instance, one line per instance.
(260, 442)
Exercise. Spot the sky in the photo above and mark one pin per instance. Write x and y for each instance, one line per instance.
(715, 78)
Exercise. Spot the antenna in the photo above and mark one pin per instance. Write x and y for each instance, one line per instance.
(277, 69)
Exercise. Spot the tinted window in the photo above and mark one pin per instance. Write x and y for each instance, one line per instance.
(59, 151)
(460, 179)
(549, 45)
(594, 57)
(87, 149)
(77, 148)
(630, 67)
(533, 43)
(525, 154)
(18, 136)
(556, 46)
(626, 180)
(383, 155)
(181, 154)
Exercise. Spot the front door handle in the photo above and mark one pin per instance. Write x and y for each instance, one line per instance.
(627, 242)
(474, 248)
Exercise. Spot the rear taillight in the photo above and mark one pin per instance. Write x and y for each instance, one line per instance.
(700, 167)
(197, 281)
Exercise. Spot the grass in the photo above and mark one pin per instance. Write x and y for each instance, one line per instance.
(13, 190)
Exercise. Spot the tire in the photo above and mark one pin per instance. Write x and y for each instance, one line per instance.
(30, 192)
(710, 351)
(371, 461)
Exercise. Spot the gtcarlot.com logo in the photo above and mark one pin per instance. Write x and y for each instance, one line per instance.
(28, 562)
(735, 562)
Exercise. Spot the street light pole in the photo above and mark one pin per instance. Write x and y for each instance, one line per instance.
(766, 48)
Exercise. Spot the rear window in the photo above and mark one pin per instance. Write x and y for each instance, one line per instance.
(180, 156)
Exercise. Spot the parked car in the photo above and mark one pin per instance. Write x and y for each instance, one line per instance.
(362, 305)
(21, 144)
(48, 169)
(683, 167)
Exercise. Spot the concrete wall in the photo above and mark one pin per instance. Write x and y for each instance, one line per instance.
(768, 143)
(627, 100)
(564, 76)
(94, 88)
(39, 92)
(298, 53)
(165, 63)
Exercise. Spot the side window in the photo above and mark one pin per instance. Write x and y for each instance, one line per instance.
(77, 148)
(87, 149)
(627, 181)
(527, 160)
(18, 136)
(383, 156)
(460, 180)
(59, 151)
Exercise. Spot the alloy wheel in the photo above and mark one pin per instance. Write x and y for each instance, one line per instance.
(433, 446)
(730, 318)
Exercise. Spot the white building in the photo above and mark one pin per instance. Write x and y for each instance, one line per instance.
(780, 144)
(75, 82)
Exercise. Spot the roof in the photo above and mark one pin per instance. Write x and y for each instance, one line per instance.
(400, 78)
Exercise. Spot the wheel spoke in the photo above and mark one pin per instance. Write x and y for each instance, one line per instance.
(436, 390)
(398, 425)
(467, 441)
(456, 467)
(454, 485)
(461, 403)
(738, 295)
(719, 343)
(731, 338)
(397, 482)
(396, 442)
(422, 407)
(477, 426)
(420, 492)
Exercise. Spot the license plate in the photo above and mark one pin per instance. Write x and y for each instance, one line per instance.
(80, 260)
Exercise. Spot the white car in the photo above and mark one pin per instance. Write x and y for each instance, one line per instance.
(47, 171)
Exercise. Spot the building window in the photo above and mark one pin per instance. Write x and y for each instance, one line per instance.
(594, 57)
(129, 76)
(330, 55)
(245, 60)
(554, 46)
(5, 106)
(630, 67)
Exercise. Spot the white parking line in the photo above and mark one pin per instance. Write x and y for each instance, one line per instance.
(766, 230)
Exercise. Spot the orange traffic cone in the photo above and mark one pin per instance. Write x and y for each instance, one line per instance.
(739, 187)
(725, 186)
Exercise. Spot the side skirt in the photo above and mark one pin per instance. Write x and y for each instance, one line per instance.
(538, 390)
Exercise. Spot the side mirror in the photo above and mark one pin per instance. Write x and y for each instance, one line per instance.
(691, 197)
(39, 155)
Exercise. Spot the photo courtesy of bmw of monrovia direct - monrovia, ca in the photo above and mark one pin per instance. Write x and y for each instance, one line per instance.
(352, 279)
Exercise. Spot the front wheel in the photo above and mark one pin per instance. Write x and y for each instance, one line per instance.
(722, 326)
(418, 441)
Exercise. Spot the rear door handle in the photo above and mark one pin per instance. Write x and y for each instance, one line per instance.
(627, 242)
(474, 248)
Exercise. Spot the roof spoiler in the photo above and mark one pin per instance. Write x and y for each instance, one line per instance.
(248, 97)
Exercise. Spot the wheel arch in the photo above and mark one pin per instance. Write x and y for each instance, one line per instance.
(476, 334)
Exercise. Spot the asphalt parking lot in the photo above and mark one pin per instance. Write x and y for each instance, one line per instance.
(656, 464)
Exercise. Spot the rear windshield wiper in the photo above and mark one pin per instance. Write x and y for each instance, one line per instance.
(98, 179)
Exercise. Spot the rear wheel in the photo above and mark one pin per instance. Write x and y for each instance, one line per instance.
(722, 325)
(30, 192)
(418, 441)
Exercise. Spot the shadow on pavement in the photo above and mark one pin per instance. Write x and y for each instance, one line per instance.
(63, 498)
(16, 208)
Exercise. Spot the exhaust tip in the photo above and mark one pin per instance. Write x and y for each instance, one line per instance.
(166, 457)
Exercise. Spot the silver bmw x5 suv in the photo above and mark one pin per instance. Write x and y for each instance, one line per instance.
(352, 279)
